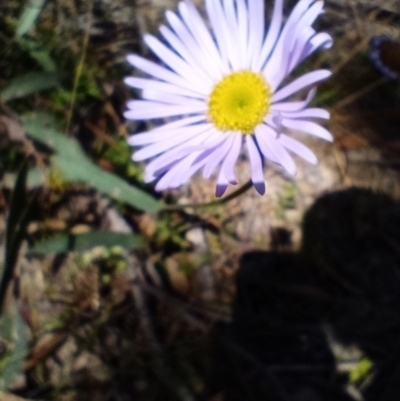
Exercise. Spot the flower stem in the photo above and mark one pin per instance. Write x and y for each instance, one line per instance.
(218, 202)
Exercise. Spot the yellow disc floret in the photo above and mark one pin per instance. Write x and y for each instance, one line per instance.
(239, 102)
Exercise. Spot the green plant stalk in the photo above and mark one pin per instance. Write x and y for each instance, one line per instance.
(240, 191)
(78, 72)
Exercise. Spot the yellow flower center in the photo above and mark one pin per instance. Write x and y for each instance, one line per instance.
(239, 102)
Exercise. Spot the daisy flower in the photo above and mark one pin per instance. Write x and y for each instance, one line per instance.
(219, 89)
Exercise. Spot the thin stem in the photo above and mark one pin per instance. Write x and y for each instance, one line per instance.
(360, 93)
(218, 202)
(79, 69)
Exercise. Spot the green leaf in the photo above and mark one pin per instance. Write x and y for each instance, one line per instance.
(361, 370)
(28, 17)
(16, 224)
(83, 242)
(75, 166)
(28, 84)
(38, 53)
(11, 364)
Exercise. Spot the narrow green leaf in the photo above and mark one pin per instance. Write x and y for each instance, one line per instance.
(38, 52)
(16, 357)
(15, 229)
(83, 242)
(75, 165)
(28, 84)
(29, 15)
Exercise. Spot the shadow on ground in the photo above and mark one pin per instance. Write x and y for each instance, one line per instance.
(344, 284)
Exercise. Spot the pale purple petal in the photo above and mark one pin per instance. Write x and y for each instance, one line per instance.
(302, 42)
(265, 150)
(257, 176)
(172, 178)
(162, 73)
(182, 150)
(233, 33)
(268, 137)
(142, 83)
(195, 24)
(228, 165)
(182, 122)
(164, 145)
(321, 39)
(300, 83)
(186, 54)
(177, 64)
(222, 184)
(158, 110)
(158, 134)
(298, 148)
(218, 156)
(151, 94)
(203, 57)
(272, 35)
(155, 99)
(308, 127)
(256, 33)
(308, 113)
(294, 106)
(222, 33)
(202, 159)
(243, 25)
(278, 65)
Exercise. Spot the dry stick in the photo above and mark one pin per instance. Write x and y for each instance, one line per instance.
(360, 93)
(349, 57)
(79, 69)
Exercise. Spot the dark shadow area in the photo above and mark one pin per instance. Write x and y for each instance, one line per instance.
(345, 280)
